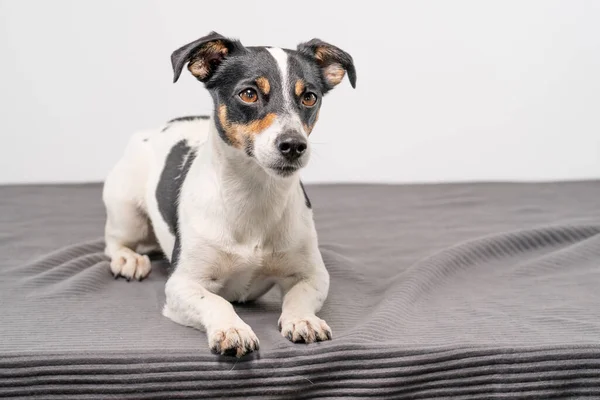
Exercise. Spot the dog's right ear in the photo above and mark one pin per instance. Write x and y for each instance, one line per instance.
(203, 55)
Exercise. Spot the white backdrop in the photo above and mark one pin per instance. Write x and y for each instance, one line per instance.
(447, 90)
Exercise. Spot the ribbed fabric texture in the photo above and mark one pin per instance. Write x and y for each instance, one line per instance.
(478, 291)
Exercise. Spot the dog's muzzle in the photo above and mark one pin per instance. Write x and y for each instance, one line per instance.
(291, 148)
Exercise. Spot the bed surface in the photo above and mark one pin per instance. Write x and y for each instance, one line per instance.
(465, 291)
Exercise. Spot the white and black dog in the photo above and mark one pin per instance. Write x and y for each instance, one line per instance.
(220, 196)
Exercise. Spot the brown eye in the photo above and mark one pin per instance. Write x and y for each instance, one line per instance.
(309, 99)
(248, 95)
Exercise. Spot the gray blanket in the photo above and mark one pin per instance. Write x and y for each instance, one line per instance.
(475, 291)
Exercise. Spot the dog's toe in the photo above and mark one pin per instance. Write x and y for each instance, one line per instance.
(308, 329)
(130, 265)
(143, 267)
(236, 341)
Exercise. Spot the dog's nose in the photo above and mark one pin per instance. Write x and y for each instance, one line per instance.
(291, 146)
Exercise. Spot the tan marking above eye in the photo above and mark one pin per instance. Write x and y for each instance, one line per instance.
(299, 87)
(263, 85)
(249, 95)
(309, 99)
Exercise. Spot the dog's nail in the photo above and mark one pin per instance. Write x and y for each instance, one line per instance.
(279, 326)
(328, 335)
(128, 279)
(232, 352)
(289, 336)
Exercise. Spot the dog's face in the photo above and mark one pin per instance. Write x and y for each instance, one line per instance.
(267, 100)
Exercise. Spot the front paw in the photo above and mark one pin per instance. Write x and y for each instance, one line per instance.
(306, 329)
(233, 341)
(129, 264)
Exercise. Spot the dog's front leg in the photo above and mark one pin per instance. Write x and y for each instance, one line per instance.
(189, 303)
(303, 296)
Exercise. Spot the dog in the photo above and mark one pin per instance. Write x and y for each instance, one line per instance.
(220, 196)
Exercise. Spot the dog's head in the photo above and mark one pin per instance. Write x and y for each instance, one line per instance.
(267, 100)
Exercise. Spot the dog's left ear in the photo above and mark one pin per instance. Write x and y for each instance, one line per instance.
(333, 61)
(203, 55)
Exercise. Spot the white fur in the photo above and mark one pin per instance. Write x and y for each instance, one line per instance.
(281, 58)
(242, 230)
(265, 149)
(291, 119)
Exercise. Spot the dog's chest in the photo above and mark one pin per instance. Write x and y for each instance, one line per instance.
(246, 275)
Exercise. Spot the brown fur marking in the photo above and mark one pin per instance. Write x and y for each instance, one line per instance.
(259, 125)
(334, 73)
(199, 65)
(239, 134)
(263, 85)
(226, 125)
(299, 88)
(308, 129)
(321, 53)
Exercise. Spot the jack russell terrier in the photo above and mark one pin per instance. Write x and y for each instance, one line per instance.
(220, 196)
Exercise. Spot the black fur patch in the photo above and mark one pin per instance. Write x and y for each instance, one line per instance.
(306, 199)
(188, 118)
(176, 252)
(240, 70)
(232, 68)
(173, 175)
(301, 68)
(184, 119)
(249, 149)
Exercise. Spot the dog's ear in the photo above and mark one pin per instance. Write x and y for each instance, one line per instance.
(333, 61)
(203, 55)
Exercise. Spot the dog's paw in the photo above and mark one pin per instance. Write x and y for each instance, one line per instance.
(306, 329)
(235, 341)
(130, 265)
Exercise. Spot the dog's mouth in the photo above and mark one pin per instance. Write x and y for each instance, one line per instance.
(285, 170)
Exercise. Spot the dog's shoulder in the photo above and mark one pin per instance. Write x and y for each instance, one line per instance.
(173, 174)
(177, 143)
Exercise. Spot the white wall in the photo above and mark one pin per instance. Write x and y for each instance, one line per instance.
(447, 90)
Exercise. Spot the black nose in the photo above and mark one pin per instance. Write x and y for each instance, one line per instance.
(291, 146)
